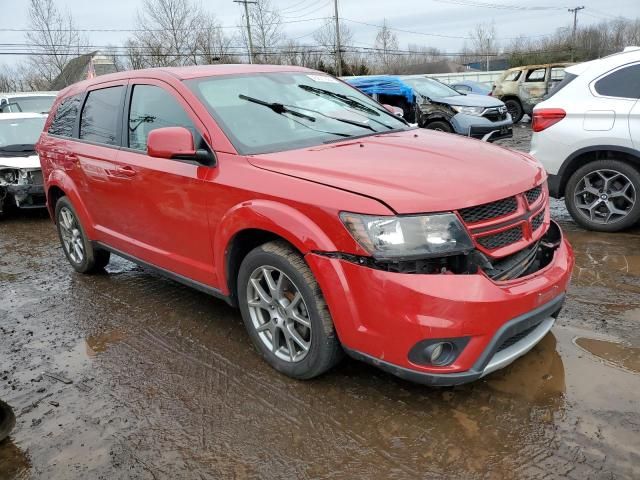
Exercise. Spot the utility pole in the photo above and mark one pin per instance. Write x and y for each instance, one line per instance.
(246, 15)
(575, 26)
(338, 47)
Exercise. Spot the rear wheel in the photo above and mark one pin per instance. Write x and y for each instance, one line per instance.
(440, 125)
(78, 249)
(515, 109)
(285, 313)
(7, 420)
(603, 196)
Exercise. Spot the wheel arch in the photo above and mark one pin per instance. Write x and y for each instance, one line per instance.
(254, 223)
(586, 155)
(59, 185)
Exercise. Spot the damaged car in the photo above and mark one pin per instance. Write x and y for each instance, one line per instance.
(21, 184)
(431, 104)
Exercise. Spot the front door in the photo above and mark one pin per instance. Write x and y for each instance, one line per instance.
(164, 211)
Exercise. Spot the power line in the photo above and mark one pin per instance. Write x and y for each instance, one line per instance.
(499, 6)
(246, 15)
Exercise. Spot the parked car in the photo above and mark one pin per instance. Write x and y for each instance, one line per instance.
(469, 86)
(587, 136)
(522, 88)
(19, 102)
(436, 106)
(329, 221)
(21, 183)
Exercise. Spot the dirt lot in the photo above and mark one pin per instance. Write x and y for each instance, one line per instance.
(129, 375)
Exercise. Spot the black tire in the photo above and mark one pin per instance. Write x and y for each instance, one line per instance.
(514, 107)
(440, 125)
(93, 260)
(7, 420)
(324, 351)
(627, 221)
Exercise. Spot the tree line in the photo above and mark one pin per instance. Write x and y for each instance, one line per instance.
(181, 32)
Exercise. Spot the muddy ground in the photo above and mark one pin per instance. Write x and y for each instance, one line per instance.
(129, 375)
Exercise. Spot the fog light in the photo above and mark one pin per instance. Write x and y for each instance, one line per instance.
(440, 353)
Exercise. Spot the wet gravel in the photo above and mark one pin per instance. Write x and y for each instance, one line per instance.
(129, 375)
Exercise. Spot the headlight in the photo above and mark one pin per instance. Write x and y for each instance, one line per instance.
(468, 110)
(404, 237)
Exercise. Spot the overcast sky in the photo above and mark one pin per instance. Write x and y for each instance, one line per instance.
(426, 16)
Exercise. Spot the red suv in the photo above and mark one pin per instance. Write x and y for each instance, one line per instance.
(334, 225)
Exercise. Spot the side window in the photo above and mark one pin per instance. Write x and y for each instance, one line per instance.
(65, 117)
(536, 75)
(101, 115)
(623, 83)
(557, 74)
(513, 76)
(153, 107)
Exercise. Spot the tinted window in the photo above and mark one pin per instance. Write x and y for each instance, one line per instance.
(65, 117)
(513, 76)
(151, 108)
(536, 75)
(623, 83)
(101, 116)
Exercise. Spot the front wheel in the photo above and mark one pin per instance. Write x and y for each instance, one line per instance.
(440, 126)
(603, 196)
(285, 313)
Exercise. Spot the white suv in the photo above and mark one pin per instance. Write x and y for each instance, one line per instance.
(587, 136)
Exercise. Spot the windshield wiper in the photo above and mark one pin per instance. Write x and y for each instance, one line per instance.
(339, 119)
(277, 107)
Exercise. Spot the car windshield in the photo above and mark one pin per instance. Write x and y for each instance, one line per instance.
(35, 104)
(270, 112)
(427, 87)
(18, 134)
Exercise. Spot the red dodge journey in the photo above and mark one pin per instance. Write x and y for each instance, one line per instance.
(329, 221)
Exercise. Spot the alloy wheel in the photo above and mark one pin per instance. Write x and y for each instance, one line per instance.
(279, 314)
(71, 235)
(605, 196)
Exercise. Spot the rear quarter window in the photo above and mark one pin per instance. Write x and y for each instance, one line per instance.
(513, 76)
(623, 83)
(65, 117)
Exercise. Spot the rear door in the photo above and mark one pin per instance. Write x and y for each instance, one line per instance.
(96, 153)
(164, 209)
(533, 87)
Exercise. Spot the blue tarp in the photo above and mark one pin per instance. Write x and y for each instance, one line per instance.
(382, 84)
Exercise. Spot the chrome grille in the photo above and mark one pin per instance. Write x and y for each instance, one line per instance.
(501, 239)
(489, 211)
(533, 194)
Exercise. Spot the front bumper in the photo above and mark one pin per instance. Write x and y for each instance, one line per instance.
(477, 127)
(380, 316)
(25, 196)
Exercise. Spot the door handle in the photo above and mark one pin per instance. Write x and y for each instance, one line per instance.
(126, 171)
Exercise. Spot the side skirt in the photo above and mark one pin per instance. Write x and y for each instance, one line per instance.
(214, 292)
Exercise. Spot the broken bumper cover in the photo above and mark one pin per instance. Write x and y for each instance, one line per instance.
(380, 316)
(26, 196)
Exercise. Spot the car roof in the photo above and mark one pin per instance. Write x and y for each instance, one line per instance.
(187, 73)
(12, 116)
(542, 65)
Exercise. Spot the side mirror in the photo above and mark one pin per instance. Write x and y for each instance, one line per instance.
(176, 143)
(397, 111)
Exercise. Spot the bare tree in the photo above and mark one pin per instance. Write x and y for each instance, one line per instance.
(386, 46)
(266, 31)
(212, 45)
(53, 37)
(484, 41)
(325, 37)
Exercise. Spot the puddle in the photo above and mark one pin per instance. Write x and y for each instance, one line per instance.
(14, 463)
(100, 343)
(620, 355)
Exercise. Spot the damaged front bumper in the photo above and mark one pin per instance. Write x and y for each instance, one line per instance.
(21, 188)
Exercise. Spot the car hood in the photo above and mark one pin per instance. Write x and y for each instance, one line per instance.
(471, 100)
(31, 161)
(412, 171)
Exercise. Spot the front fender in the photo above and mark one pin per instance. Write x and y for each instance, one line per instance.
(277, 218)
(58, 178)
